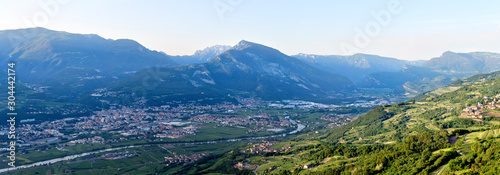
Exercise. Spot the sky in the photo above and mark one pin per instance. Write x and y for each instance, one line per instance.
(403, 29)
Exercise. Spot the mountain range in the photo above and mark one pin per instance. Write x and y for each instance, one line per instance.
(67, 63)
(465, 63)
(356, 67)
(71, 66)
(247, 69)
(435, 73)
(405, 77)
(200, 56)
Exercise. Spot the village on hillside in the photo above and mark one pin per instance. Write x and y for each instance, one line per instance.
(476, 112)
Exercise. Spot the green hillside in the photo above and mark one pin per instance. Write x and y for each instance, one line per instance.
(479, 78)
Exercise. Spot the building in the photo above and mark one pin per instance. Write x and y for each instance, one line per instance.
(308, 166)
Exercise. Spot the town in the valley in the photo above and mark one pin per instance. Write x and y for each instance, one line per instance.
(179, 123)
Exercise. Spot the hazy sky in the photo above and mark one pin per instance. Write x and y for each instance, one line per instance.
(405, 29)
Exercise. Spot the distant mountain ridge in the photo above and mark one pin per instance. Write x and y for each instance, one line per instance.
(201, 56)
(356, 67)
(465, 63)
(435, 73)
(71, 63)
(248, 69)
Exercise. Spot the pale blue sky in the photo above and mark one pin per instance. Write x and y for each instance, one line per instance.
(421, 29)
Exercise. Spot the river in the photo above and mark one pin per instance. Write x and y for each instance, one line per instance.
(46, 162)
(299, 128)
